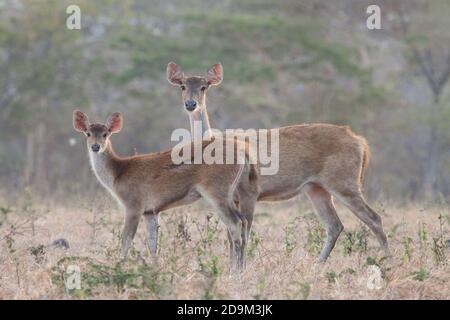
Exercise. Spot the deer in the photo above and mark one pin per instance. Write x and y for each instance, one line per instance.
(323, 160)
(147, 184)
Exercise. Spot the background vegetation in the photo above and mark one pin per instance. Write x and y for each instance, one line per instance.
(285, 62)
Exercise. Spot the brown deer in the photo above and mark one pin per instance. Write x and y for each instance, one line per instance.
(324, 160)
(150, 183)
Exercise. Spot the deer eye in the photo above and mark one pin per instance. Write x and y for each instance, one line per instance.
(105, 135)
(88, 134)
(203, 88)
(183, 88)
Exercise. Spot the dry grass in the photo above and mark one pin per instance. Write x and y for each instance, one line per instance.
(193, 259)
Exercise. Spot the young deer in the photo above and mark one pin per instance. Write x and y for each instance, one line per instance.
(150, 183)
(324, 160)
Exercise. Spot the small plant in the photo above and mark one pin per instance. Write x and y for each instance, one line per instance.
(355, 241)
(290, 241)
(211, 270)
(264, 214)
(208, 293)
(348, 271)
(5, 210)
(407, 248)
(119, 276)
(315, 238)
(347, 243)
(371, 261)
(9, 240)
(393, 231)
(438, 248)
(183, 232)
(315, 235)
(305, 290)
(208, 262)
(331, 276)
(28, 209)
(209, 232)
(253, 244)
(213, 266)
(422, 233)
(112, 252)
(362, 236)
(96, 222)
(423, 240)
(163, 239)
(3, 213)
(420, 275)
(447, 218)
(38, 252)
(11, 250)
(260, 288)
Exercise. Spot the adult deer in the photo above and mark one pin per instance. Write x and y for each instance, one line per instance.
(150, 183)
(324, 160)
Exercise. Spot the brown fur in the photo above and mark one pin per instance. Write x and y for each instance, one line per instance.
(150, 183)
(325, 154)
(324, 160)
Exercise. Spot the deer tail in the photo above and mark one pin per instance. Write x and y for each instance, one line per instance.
(365, 159)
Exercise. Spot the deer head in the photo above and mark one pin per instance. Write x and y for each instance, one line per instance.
(193, 88)
(97, 134)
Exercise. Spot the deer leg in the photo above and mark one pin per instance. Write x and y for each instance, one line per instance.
(240, 248)
(234, 232)
(151, 219)
(230, 238)
(245, 212)
(231, 219)
(356, 203)
(247, 208)
(129, 230)
(235, 226)
(323, 205)
(247, 205)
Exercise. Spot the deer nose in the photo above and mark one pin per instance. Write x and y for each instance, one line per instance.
(190, 105)
(95, 147)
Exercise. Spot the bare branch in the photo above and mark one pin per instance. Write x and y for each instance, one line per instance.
(443, 79)
(7, 97)
(426, 70)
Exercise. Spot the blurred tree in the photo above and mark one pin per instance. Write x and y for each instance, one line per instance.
(427, 42)
(285, 62)
(41, 65)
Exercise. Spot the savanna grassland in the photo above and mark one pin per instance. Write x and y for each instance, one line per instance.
(193, 254)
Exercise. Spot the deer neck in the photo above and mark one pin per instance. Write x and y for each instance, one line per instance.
(199, 118)
(103, 165)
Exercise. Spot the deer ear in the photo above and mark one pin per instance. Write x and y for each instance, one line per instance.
(114, 122)
(174, 74)
(214, 75)
(80, 121)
